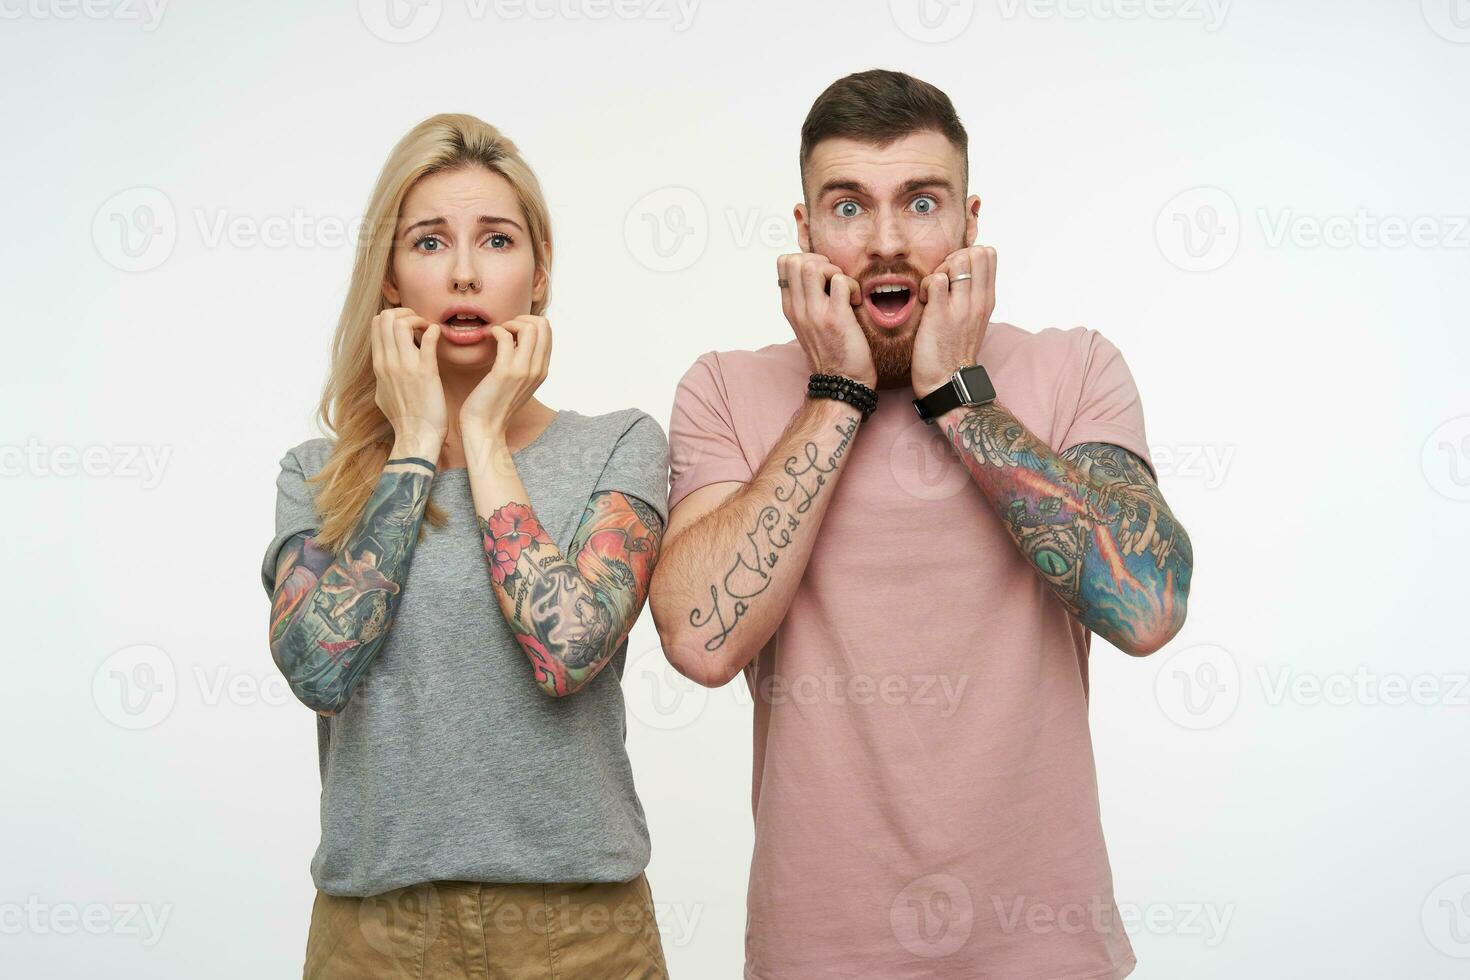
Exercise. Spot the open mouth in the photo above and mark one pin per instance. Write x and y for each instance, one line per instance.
(889, 303)
(465, 325)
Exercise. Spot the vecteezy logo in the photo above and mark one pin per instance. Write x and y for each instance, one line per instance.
(136, 687)
(1199, 229)
(932, 21)
(135, 230)
(932, 916)
(1446, 459)
(924, 465)
(667, 230)
(1450, 19)
(1198, 687)
(1446, 917)
(401, 923)
(671, 700)
(400, 21)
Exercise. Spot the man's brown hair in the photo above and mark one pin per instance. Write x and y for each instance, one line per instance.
(880, 107)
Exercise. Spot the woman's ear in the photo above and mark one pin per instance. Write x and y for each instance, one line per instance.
(540, 278)
(390, 288)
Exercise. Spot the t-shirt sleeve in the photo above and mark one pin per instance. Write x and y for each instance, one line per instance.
(1109, 409)
(703, 447)
(639, 465)
(295, 513)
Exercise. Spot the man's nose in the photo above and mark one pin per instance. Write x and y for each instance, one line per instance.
(888, 240)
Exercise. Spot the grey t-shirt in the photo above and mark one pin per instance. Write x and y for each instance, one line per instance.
(449, 762)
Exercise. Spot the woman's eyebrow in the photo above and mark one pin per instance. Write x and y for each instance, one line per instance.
(484, 219)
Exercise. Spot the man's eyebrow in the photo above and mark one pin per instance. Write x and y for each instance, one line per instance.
(926, 183)
(851, 186)
(484, 219)
(909, 186)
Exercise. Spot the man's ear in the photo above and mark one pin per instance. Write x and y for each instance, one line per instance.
(972, 218)
(803, 229)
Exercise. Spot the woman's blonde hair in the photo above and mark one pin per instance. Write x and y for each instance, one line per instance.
(348, 409)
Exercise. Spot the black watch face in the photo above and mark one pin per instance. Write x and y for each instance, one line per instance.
(977, 383)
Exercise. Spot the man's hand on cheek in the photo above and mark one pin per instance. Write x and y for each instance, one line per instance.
(819, 300)
(953, 316)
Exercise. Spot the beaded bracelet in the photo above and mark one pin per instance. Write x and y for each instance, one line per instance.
(853, 396)
(858, 394)
(828, 382)
(848, 397)
(843, 389)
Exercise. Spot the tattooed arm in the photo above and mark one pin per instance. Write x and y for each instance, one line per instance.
(570, 616)
(569, 613)
(1092, 522)
(736, 552)
(330, 615)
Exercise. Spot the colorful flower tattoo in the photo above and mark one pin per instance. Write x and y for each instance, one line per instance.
(572, 613)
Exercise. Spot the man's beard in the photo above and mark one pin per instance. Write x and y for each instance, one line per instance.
(893, 352)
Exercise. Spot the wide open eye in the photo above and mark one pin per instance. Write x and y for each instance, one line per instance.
(848, 209)
(924, 204)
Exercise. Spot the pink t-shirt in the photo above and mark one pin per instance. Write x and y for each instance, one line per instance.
(924, 791)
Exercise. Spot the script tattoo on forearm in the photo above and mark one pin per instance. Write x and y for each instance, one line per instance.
(1092, 522)
(330, 614)
(571, 618)
(769, 534)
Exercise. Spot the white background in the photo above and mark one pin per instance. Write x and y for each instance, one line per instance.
(1225, 192)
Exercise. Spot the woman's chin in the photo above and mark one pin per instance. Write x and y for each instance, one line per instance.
(468, 355)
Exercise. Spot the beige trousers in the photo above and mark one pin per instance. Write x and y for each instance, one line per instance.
(467, 929)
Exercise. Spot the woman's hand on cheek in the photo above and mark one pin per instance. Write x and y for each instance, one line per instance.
(408, 390)
(522, 356)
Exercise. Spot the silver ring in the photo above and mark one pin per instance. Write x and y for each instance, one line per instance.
(961, 277)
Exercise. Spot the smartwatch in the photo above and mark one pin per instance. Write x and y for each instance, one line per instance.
(969, 385)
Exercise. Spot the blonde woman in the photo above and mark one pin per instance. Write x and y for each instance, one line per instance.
(478, 813)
